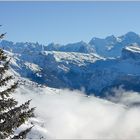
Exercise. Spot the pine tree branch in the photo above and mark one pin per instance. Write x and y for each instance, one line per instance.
(16, 110)
(3, 57)
(4, 68)
(7, 104)
(4, 80)
(3, 135)
(8, 90)
(17, 120)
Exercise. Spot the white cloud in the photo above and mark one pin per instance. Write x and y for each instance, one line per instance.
(70, 114)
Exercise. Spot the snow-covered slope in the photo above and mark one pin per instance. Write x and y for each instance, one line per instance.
(72, 57)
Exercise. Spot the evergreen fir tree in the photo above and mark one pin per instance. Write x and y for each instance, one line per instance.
(11, 115)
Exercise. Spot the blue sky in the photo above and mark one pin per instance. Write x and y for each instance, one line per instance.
(65, 22)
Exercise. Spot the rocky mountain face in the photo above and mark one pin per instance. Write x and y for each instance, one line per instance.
(97, 66)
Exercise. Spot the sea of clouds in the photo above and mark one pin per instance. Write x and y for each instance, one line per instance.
(65, 114)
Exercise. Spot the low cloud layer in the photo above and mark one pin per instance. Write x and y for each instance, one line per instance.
(66, 114)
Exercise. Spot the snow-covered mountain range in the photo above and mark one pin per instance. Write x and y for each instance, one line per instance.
(96, 66)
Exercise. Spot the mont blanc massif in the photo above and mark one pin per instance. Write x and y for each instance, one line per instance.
(96, 67)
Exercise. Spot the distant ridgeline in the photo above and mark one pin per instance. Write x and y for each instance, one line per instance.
(97, 66)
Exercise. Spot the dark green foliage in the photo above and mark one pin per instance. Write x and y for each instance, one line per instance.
(11, 115)
(5, 80)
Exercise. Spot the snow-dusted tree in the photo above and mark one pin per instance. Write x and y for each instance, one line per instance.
(11, 115)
